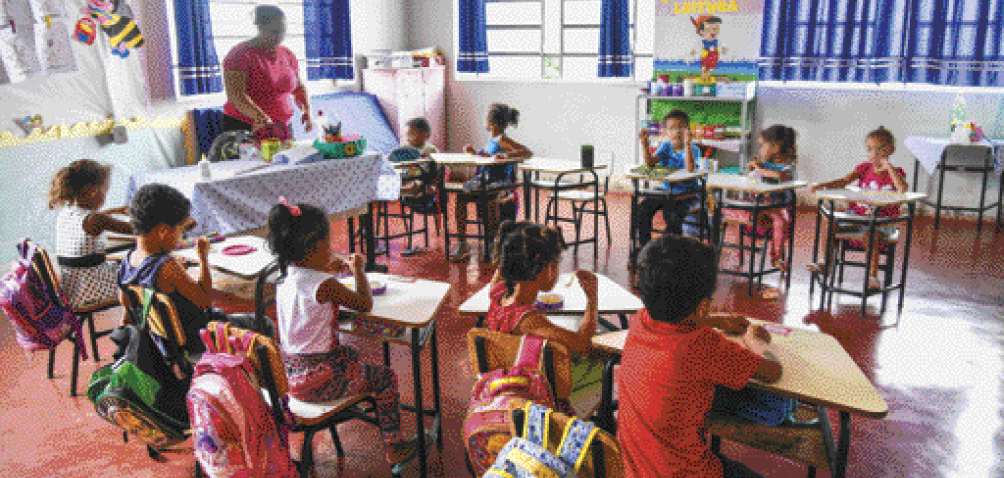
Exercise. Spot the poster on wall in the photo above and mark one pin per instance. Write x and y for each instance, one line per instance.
(708, 38)
(56, 51)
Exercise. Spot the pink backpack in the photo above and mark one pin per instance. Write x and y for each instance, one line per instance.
(486, 428)
(41, 316)
(234, 430)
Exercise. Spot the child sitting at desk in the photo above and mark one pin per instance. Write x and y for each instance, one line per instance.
(673, 360)
(160, 217)
(419, 188)
(500, 116)
(776, 163)
(79, 191)
(308, 297)
(678, 152)
(876, 174)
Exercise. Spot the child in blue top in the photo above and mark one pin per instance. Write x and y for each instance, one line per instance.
(500, 116)
(678, 152)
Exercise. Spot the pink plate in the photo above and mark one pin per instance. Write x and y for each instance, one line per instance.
(238, 250)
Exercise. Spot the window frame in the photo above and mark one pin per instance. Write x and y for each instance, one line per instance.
(315, 87)
(563, 27)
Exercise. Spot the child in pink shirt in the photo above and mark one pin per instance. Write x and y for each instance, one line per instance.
(877, 174)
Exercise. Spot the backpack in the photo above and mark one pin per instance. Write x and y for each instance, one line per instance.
(41, 316)
(528, 455)
(762, 407)
(236, 433)
(487, 428)
(139, 391)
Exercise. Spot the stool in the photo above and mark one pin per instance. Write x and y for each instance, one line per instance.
(857, 243)
(590, 198)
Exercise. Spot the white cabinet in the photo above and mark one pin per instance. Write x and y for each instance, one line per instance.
(407, 93)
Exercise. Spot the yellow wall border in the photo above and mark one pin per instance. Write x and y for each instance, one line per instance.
(84, 129)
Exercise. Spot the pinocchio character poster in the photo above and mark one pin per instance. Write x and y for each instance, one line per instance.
(708, 38)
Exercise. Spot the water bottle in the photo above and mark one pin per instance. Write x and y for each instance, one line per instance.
(205, 170)
(322, 126)
(958, 113)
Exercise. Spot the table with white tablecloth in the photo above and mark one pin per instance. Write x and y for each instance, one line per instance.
(240, 193)
(932, 153)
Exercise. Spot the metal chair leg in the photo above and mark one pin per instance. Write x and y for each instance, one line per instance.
(94, 338)
(52, 362)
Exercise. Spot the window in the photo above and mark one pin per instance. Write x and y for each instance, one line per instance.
(233, 22)
(556, 40)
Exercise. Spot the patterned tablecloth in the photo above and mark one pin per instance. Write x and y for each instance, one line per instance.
(238, 197)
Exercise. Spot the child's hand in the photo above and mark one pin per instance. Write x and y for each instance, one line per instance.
(757, 339)
(338, 266)
(688, 137)
(588, 283)
(202, 249)
(731, 324)
(643, 135)
(358, 263)
(501, 156)
(469, 149)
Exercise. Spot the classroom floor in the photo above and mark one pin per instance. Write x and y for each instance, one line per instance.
(940, 369)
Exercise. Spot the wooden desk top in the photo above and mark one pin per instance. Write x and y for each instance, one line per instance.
(408, 304)
(408, 164)
(464, 159)
(552, 165)
(816, 369)
(246, 266)
(613, 299)
(732, 182)
(674, 177)
(871, 198)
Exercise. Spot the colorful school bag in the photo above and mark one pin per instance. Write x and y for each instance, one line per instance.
(487, 428)
(140, 391)
(236, 433)
(528, 455)
(41, 315)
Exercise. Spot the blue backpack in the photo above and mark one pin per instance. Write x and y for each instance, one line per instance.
(527, 455)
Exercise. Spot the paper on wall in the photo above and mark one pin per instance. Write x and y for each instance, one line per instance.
(56, 51)
(15, 57)
(25, 12)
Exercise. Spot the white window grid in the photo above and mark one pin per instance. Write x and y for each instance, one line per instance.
(233, 22)
(562, 36)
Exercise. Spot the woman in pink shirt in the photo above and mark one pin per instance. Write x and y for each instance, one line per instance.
(260, 77)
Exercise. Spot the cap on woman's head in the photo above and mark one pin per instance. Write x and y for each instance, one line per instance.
(265, 14)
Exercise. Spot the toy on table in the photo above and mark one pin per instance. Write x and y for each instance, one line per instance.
(966, 133)
(336, 145)
(654, 171)
(29, 123)
(550, 301)
(238, 250)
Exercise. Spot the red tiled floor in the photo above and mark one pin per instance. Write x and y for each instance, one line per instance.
(939, 366)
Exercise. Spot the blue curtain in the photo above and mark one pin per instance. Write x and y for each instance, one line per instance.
(616, 60)
(944, 42)
(955, 42)
(198, 68)
(328, 32)
(473, 51)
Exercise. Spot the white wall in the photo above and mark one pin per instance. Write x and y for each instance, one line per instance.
(557, 118)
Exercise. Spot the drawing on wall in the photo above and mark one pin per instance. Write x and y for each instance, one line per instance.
(116, 19)
(717, 37)
(56, 49)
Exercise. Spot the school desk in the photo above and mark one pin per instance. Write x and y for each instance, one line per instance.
(240, 193)
(612, 300)
(483, 196)
(567, 175)
(826, 200)
(642, 189)
(934, 153)
(226, 257)
(761, 191)
(816, 370)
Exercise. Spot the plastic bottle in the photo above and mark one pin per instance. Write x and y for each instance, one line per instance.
(205, 170)
(958, 113)
(322, 126)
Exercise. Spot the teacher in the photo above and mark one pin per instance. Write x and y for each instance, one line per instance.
(261, 75)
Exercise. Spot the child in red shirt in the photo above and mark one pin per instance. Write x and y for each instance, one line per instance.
(876, 174)
(673, 360)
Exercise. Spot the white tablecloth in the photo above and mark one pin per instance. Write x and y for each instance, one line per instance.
(928, 150)
(231, 202)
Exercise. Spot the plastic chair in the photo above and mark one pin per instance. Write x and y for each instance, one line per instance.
(43, 266)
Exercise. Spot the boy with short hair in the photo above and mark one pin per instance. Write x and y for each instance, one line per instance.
(421, 179)
(673, 360)
(680, 153)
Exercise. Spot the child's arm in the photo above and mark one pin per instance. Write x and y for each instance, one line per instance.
(578, 343)
(333, 291)
(513, 150)
(650, 159)
(757, 340)
(689, 161)
(173, 277)
(98, 222)
(897, 179)
(470, 149)
(766, 172)
(837, 183)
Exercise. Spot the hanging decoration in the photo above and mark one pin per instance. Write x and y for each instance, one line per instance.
(86, 31)
(116, 20)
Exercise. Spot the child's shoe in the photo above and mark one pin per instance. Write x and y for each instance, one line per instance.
(780, 265)
(816, 268)
(461, 252)
(400, 453)
(874, 284)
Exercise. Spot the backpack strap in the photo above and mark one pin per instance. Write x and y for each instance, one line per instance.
(575, 442)
(530, 352)
(537, 423)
